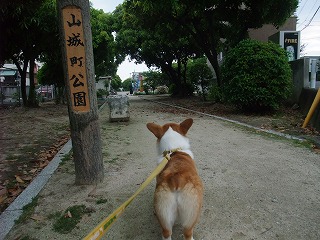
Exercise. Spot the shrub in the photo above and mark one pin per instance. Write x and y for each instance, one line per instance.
(200, 75)
(256, 76)
(101, 92)
(214, 93)
(161, 90)
(184, 90)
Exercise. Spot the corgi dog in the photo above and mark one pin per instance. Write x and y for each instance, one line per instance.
(179, 190)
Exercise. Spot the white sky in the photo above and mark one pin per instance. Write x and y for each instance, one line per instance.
(126, 68)
(310, 31)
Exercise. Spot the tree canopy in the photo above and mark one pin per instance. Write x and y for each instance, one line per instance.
(29, 32)
(158, 47)
(103, 43)
(29, 29)
(205, 23)
(163, 34)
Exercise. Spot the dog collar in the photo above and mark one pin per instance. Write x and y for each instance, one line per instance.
(165, 153)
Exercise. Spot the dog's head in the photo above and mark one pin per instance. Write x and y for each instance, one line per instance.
(181, 128)
(171, 135)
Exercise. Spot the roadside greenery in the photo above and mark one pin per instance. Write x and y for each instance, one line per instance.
(168, 36)
(256, 76)
(67, 221)
(200, 75)
(27, 211)
(170, 32)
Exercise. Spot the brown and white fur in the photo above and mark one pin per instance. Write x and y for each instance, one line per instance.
(179, 190)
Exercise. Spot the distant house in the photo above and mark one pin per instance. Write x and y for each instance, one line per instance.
(9, 75)
(10, 79)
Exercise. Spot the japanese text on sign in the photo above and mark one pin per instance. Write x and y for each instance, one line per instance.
(75, 49)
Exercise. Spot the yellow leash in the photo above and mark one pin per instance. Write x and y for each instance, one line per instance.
(104, 226)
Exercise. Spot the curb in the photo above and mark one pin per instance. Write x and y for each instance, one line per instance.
(231, 121)
(13, 212)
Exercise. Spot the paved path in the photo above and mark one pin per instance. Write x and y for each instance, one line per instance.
(256, 186)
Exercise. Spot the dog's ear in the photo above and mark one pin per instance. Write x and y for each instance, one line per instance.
(155, 129)
(185, 125)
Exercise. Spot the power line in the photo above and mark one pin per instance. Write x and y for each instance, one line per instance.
(303, 6)
(308, 14)
(311, 38)
(311, 19)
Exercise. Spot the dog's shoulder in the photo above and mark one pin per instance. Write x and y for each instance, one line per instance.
(179, 171)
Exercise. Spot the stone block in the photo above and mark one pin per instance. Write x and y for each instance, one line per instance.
(119, 108)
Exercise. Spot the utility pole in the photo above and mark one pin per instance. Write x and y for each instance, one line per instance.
(76, 43)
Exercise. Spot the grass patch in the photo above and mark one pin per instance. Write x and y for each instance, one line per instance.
(30, 149)
(113, 160)
(307, 143)
(66, 157)
(55, 215)
(12, 157)
(16, 157)
(59, 127)
(27, 238)
(105, 154)
(101, 201)
(11, 184)
(65, 223)
(27, 210)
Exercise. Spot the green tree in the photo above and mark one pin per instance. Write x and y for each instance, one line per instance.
(200, 75)
(51, 73)
(28, 27)
(126, 84)
(12, 19)
(159, 47)
(31, 33)
(154, 79)
(103, 43)
(210, 21)
(116, 83)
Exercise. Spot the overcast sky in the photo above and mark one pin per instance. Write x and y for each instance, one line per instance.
(308, 13)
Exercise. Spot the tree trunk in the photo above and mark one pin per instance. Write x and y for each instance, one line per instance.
(83, 110)
(23, 75)
(208, 44)
(174, 77)
(32, 100)
(212, 57)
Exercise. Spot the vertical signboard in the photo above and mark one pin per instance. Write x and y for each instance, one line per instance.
(141, 82)
(291, 44)
(76, 65)
(289, 41)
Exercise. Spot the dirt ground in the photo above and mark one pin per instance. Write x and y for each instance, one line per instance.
(256, 186)
(29, 138)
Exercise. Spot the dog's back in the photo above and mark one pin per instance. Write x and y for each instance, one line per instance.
(179, 189)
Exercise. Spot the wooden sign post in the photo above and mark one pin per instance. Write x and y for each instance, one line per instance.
(76, 41)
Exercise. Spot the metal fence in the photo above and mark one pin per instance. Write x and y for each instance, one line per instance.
(10, 95)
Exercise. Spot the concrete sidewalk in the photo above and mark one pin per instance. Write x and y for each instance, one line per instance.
(256, 187)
